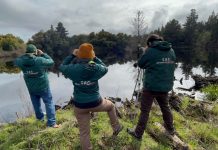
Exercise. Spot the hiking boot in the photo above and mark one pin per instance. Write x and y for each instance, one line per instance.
(133, 133)
(173, 132)
(115, 133)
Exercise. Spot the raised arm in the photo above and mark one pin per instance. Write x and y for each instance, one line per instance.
(144, 59)
(99, 69)
(66, 67)
(46, 60)
(98, 61)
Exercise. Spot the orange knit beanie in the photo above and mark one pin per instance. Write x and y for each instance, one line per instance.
(86, 51)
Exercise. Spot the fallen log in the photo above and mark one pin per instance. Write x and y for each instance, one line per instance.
(175, 101)
(201, 82)
(160, 134)
(185, 89)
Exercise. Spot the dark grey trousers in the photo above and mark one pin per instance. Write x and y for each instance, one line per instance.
(146, 103)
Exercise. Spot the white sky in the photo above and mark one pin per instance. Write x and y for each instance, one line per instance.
(24, 18)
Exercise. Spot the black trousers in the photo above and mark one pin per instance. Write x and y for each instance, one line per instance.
(146, 103)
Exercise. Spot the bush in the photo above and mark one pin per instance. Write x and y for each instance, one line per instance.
(6, 46)
(9, 42)
(211, 92)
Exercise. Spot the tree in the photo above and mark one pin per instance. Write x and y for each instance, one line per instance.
(212, 19)
(139, 25)
(9, 42)
(212, 24)
(172, 32)
(60, 29)
(202, 40)
(190, 28)
(53, 42)
(91, 35)
(77, 40)
(159, 31)
(38, 39)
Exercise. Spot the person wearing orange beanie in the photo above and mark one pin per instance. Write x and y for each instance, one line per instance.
(85, 73)
(86, 51)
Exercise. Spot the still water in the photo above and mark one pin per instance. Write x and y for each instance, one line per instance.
(118, 82)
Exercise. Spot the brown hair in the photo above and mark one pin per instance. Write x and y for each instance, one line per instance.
(153, 37)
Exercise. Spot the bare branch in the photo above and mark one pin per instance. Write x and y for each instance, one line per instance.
(139, 24)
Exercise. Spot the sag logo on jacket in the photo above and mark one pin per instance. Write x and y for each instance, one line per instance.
(166, 60)
(86, 83)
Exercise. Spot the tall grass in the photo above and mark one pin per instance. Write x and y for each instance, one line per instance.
(31, 134)
(211, 92)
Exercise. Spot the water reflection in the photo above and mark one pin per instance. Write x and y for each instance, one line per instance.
(118, 82)
(190, 58)
(206, 58)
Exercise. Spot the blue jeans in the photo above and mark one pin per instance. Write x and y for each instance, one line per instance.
(49, 106)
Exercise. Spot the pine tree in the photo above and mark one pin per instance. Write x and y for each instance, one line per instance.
(60, 29)
(173, 32)
(190, 28)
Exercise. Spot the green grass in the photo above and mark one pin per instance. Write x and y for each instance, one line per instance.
(185, 103)
(215, 110)
(31, 134)
(211, 92)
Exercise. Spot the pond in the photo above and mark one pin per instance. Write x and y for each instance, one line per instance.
(118, 82)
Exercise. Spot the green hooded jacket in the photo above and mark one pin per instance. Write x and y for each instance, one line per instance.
(35, 71)
(159, 62)
(84, 75)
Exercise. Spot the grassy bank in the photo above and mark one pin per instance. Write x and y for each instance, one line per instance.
(196, 126)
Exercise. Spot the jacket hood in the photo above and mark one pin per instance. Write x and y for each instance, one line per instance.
(29, 60)
(161, 45)
(81, 60)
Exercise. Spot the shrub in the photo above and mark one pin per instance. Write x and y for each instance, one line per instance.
(9, 42)
(211, 92)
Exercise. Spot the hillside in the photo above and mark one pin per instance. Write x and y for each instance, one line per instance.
(196, 124)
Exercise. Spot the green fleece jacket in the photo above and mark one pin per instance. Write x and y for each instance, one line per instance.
(84, 75)
(35, 71)
(159, 64)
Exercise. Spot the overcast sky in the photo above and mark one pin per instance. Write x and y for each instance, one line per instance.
(24, 18)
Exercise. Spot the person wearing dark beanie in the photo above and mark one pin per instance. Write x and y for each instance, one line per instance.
(158, 61)
(34, 64)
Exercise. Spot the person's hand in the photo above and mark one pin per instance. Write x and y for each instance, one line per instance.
(143, 49)
(39, 52)
(75, 52)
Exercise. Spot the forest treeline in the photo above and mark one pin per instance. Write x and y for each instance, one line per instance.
(193, 33)
(58, 43)
(195, 42)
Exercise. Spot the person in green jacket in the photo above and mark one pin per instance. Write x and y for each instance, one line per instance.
(85, 69)
(34, 64)
(158, 61)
